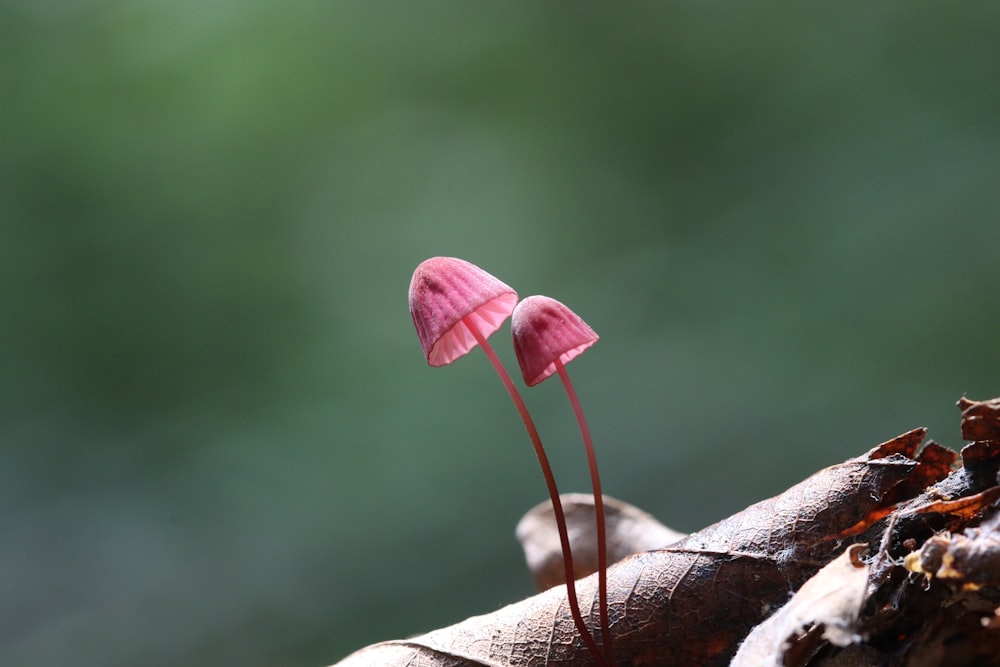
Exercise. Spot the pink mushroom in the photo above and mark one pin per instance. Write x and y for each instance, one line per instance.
(547, 336)
(455, 306)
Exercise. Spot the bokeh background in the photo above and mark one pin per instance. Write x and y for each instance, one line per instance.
(219, 441)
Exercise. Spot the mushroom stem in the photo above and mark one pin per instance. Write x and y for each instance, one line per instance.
(550, 481)
(595, 479)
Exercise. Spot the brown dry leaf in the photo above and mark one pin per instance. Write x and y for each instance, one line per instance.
(629, 530)
(830, 600)
(963, 509)
(937, 462)
(692, 602)
(980, 419)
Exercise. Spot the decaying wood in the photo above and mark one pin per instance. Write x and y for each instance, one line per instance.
(925, 524)
(932, 598)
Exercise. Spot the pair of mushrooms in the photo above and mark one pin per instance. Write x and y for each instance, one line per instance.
(456, 306)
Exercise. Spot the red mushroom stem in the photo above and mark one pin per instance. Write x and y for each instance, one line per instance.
(550, 482)
(547, 335)
(595, 479)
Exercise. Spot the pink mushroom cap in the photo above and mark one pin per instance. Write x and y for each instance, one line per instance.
(546, 331)
(444, 291)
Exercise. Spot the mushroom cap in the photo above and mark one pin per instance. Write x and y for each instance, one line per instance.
(443, 291)
(545, 331)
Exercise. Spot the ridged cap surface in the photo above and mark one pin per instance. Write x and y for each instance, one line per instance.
(545, 331)
(443, 291)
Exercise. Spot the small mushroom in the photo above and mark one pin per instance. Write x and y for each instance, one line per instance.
(446, 292)
(455, 306)
(547, 336)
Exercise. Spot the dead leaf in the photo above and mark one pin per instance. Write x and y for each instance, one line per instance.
(628, 530)
(830, 600)
(692, 602)
(964, 509)
(936, 463)
(980, 419)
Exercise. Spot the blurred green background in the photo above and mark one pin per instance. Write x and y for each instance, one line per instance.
(221, 444)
